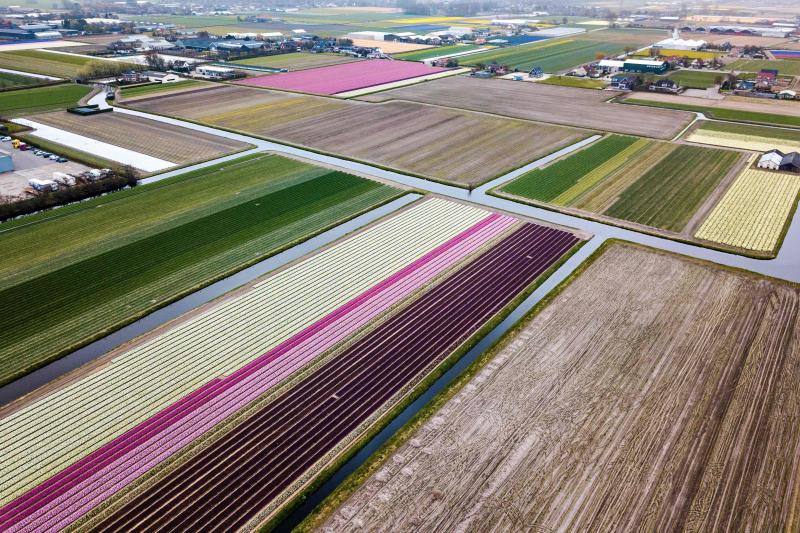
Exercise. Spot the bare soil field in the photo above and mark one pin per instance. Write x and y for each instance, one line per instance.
(444, 144)
(172, 143)
(624, 405)
(738, 103)
(571, 106)
(391, 47)
(737, 40)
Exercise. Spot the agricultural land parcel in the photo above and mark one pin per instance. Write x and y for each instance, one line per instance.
(9, 80)
(162, 88)
(296, 60)
(439, 51)
(84, 272)
(44, 62)
(745, 136)
(754, 211)
(737, 109)
(40, 99)
(551, 56)
(623, 404)
(784, 67)
(410, 137)
(651, 183)
(533, 101)
(157, 139)
(391, 47)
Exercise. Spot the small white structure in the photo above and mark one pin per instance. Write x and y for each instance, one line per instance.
(771, 160)
(162, 77)
(215, 73)
(611, 65)
(43, 185)
(367, 35)
(47, 35)
(63, 179)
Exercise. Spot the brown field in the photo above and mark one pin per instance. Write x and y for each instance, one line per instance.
(445, 144)
(737, 40)
(625, 405)
(157, 139)
(391, 47)
(571, 106)
(739, 103)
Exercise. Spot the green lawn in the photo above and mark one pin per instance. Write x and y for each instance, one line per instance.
(421, 55)
(130, 92)
(8, 80)
(39, 99)
(769, 119)
(43, 62)
(784, 66)
(668, 194)
(572, 81)
(90, 268)
(551, 56)
(747, 129)
(694, 79)
(545, 184)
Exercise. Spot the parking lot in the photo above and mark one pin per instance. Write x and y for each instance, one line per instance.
(27, 166)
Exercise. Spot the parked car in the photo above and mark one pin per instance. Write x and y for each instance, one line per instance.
(53, 157)
(62, 159)
(5, 139)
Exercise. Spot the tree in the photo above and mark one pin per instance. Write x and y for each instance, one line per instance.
(155, 61)
(203, 35)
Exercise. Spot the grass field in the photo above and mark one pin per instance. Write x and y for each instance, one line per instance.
(84, 272)
(783, 66)
(551, 56)
(296, 60)
(40, 99)
(754, 211)
(162, 88)
(164, 141)
(8, 80)
(735, 115)
(745, 136)
(572, 81)
(652, 389)
(547, 184)
(42, 62)
(439, 51)
(694, 79)
(410, 137)
(668, 194)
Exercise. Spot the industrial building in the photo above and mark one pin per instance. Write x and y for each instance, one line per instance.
(6, 162)
(645, 66)
(215, 73)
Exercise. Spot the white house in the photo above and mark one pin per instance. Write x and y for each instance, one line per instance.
(771, 160)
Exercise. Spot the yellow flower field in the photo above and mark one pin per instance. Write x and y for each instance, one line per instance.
(742, 141)
(753, 211)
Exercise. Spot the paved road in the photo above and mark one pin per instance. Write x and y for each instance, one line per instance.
(785, 266)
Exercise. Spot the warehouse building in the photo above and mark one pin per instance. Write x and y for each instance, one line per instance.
(6, 162)
(676, 43)
(645, 66)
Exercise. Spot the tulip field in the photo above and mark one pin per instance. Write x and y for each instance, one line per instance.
(746, 137)
(83, 272)
(754, 211)
(224, 414)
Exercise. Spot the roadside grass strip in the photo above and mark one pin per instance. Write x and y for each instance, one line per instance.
(668, 194)
(243, 477)
(754, 211)
(68, 307)
(55, 431)
(756, 138)
(83, 485)
(554, 181)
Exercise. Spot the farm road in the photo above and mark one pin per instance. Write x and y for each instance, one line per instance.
(785, 266)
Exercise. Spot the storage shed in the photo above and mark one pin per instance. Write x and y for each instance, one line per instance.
(648, 66)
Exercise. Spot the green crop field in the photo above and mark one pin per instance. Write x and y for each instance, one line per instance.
(551, 56)
(296, 60)
(9, 80)
(547, 183)
(141, 90)
(572, 81)
(83, 272)
(747, 129)
(769, 119)
(43, 62)
(188, 21)
(39, 99)
(669, 193)
(783, 66)
(421, 55)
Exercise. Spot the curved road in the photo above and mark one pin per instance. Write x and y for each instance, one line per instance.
(785, 266)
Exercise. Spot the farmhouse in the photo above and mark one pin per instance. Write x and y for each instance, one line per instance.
(777, 160)
(665, 85)
(648, 66)
(625, 82)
